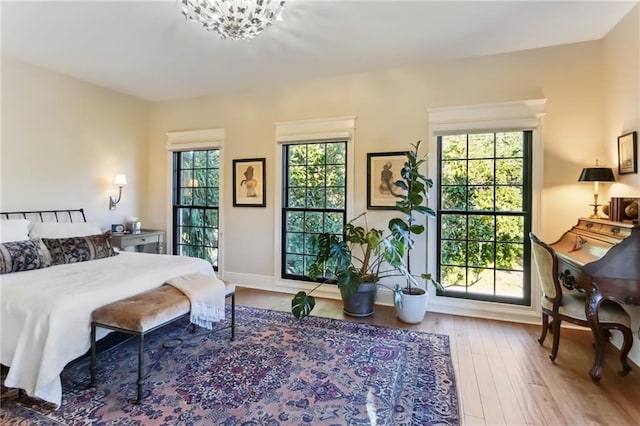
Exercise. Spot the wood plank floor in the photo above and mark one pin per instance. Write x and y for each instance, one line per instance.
(504, 376)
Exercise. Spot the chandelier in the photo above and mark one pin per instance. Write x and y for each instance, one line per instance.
(234, 19)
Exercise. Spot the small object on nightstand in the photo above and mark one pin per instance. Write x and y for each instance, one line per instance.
(117, 228)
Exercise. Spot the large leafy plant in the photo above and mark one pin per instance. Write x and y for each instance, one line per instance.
(360, 255)
(412, 203)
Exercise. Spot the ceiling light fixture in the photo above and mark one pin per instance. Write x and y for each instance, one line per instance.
(234, 19)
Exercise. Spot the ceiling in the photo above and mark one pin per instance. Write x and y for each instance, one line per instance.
(148, 50)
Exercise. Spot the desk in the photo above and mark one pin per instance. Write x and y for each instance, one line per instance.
(615, 278)
(602, 258)
(147, 240)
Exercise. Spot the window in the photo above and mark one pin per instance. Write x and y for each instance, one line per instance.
(313, 200)
(484, 215)
(196, 196)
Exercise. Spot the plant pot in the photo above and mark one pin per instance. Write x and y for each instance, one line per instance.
(414, 306)
(360, 303)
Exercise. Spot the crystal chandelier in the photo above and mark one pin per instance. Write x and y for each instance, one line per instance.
(234, 19)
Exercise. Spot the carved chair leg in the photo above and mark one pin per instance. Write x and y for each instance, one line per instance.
(624, 351)
(556, 338)
(545, 327)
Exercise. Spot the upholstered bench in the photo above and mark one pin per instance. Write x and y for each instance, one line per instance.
(143, 313)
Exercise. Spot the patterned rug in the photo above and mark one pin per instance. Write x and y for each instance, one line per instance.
(278, 371)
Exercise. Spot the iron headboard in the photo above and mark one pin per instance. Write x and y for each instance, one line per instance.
(48, 215)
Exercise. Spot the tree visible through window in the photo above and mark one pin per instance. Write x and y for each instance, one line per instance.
(196, 204)
(484, 216)
(314, 201)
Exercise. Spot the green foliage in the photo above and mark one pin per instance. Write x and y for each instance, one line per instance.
(302, 304)
(483, 175)
(358, 256)
(410, 203)
(198, 197)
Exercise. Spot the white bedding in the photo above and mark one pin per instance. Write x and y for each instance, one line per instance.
(45, 314)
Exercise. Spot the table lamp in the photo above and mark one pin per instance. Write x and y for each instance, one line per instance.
(595, 175)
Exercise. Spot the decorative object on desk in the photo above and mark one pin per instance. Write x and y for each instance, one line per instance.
(578, 244)
(234, 19)
(120, 180)
(596, 174)
(249, 177)
(631, 211)
(628, 153)
(383, 170)
(624, 209)
(278, 372)
(117, 228)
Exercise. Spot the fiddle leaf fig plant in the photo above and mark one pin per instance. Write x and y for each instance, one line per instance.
(412, 203)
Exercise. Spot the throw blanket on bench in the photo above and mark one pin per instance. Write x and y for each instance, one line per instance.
(207, 295)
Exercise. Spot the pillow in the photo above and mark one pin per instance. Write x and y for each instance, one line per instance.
(63, 229)
(14, 230)
(20, 256)
(79, 249)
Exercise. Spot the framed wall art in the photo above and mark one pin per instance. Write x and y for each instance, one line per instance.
(249, 177)
(628, 153)
(383, 169)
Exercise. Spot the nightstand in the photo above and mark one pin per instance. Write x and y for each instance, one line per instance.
(147, 240)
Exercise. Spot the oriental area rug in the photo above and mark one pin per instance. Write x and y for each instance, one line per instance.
(278, 371)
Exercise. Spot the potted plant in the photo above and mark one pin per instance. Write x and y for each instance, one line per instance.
(355, 262)
(411, 300)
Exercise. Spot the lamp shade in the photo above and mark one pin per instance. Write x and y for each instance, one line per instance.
(120, 180)
(596, 174)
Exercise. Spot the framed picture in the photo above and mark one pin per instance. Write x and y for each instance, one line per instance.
(628, 153)
(249, 183)
(383, 169)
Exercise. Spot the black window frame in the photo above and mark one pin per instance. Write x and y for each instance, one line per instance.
(285, 207)
(526, 213)
(176, 205)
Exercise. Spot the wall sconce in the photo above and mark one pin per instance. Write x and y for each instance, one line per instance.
(120, 180)
(595, 175)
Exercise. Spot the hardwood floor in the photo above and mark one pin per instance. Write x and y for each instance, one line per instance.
(504, 376)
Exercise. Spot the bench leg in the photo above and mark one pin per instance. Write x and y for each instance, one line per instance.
(140, 366)
(93, 355)
(233, 316)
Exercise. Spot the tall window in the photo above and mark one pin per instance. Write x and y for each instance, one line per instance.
(314, 201)
(196, 203)
(485, 216)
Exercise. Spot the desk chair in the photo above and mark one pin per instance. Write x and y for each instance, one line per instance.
(570, 306)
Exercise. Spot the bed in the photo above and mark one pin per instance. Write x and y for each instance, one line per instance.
(45, 313)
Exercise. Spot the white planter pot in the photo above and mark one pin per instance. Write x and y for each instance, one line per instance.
(413, 307)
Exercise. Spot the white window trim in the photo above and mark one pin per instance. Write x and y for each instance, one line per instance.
(305, 131)
(517, 115)
(195, 140)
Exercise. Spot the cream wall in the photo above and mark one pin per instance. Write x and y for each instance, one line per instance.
(621, 63)
(391, 109)
(63, 140)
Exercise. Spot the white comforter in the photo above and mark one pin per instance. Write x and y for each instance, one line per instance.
(45, 315)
